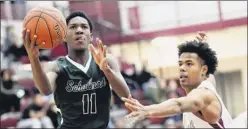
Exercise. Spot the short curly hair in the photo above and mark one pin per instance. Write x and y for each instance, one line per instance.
(203, 50)
(80, 14)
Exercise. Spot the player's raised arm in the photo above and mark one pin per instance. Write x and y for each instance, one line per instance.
(195, 101)
(44, 79)
(108, 64)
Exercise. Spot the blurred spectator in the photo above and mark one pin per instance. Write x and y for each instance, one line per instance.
(174, 90)
(4, 60)
(117, 117)
(11, 48)
(49, 107)
(128, 75)
(8, 95)
(142, 76)
(176, 118)
(45, 55)
(25, 100)
(34, 116)
(152, 90)
(15, 51)
(174, 85)
(170, 123)
(162, 93)
(51, 113)
(10, 38)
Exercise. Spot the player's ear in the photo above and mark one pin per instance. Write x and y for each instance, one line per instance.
(204, 69)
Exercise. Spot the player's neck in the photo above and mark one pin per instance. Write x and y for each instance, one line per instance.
(79, 56)
(188, 89)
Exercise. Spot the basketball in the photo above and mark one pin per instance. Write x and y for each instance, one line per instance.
(48, 23)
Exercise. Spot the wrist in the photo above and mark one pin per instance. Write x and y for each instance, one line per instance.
(147, 112)
(33, 59)
(107, 71)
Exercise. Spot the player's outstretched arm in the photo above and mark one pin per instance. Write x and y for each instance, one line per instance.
(109, 65)
(195, 101)
(115, 78)
(44, 79)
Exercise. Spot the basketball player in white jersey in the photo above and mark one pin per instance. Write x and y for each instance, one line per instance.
(240, 121)
(202, 107)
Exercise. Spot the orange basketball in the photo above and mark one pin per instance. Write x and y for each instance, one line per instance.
(48, 24)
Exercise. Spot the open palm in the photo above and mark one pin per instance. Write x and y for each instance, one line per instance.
(99, 54)
(138, 110)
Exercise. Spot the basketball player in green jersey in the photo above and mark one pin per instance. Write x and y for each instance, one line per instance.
(81, 80)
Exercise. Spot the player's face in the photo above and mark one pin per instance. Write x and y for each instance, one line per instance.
(78, 33)
(192, 72)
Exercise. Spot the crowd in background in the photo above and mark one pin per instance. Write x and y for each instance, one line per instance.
(23, 106)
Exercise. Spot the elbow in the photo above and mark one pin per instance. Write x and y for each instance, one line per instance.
(197, 105)
(46, 92)
(178, 108)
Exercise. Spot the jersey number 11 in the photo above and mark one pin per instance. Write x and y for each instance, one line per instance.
(89, 103)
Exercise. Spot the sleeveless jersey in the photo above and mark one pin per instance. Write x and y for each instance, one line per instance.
(82, 94)
(190, 120)
(240, 121)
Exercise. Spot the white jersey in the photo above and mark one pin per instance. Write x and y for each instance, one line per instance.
(240, 121)
(192, 121)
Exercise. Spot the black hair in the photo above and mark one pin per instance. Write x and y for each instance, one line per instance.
(203, 50)
(80, 14)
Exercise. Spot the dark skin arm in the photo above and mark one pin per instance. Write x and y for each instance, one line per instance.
(44, 78)
(109, 65)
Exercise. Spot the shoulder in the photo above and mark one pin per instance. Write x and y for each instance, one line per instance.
(203, 93)
(208, 85)
(60, 59)
(54, 66)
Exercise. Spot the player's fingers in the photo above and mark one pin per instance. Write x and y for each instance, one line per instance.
(133, 114)
(202, 34)
(198, 38)
(129, 96)
(100, 48)
(27, 39)
(98, 44)
(131, 107)
(33, 42)
(24, 37)
(23, 33)
(41, 45)
(103, 63)
(92, 49)
(104, 51)
(101, 45)
(130, 101)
